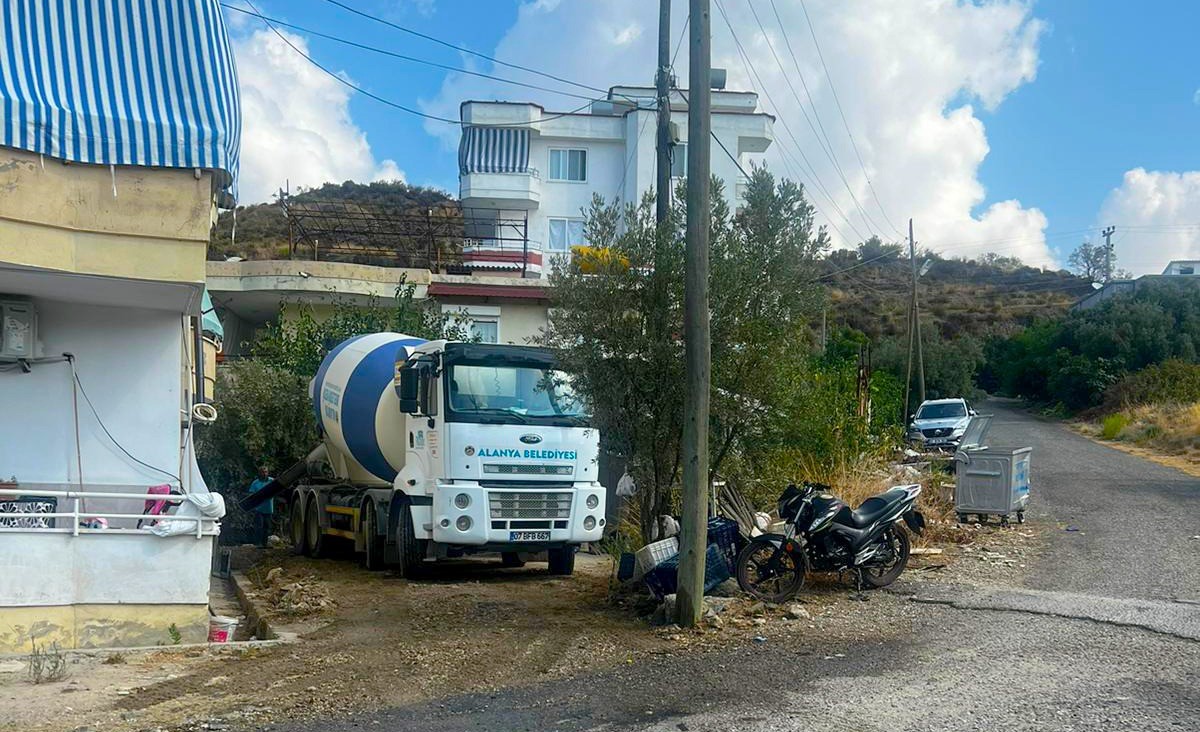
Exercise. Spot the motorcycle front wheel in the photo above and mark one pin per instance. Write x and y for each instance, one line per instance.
(770, 573)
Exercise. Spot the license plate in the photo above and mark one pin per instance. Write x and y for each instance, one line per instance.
(936, 440)
(529, 536)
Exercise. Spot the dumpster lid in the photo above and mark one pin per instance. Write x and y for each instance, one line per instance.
(976, 430)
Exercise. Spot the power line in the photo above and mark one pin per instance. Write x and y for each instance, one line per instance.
(819, 186)
(833, 90)
(412, 59)
(461, 49)
(383, 100)
(827, 146)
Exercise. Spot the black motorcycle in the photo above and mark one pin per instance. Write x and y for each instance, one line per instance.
(824, 534)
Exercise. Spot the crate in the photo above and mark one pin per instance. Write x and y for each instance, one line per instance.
(723, 533)
(654, 554)
(664, 579)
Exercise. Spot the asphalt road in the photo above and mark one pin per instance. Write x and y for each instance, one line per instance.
(1101, 637)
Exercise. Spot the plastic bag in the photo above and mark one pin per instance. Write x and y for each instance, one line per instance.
(208, 505)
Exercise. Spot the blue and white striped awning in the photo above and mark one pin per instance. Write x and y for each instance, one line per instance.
(493, 150)
(120, 82)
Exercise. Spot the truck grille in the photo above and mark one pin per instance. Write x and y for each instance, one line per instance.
(523, 505)
(518, 469)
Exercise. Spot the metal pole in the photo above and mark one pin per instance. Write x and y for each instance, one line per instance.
(694, 527)
(662, 204)
(916, 315)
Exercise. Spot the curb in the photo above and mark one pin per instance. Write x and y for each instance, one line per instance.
(255, 618)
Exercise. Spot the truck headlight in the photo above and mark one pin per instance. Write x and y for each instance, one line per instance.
(589, 523)
(463, 523)
(592, 501)
(462, 500)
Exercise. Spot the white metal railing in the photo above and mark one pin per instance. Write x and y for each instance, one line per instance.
(204, 524)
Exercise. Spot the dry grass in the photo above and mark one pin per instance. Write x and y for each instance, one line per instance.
(1170, 428)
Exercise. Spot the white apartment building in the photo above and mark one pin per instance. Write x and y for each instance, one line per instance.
(533, 171)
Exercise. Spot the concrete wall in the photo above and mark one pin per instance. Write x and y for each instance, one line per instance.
(102, 590)
(66, 218)
(130, 363)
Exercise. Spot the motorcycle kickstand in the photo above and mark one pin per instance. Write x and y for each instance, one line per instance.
(859, 594)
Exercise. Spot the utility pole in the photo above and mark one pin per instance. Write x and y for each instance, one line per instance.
(694, 527)
(662, 80)
(1108, 251)
(916, 316)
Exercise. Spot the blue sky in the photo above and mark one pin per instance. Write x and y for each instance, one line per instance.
(1009, 126)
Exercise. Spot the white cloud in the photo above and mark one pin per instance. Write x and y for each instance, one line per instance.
(1196, 98)
(296, 123)
(1157, 215)
(909, 76)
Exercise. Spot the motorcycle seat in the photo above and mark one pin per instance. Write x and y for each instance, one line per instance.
(874, 508)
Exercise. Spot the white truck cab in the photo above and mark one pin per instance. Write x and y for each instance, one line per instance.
(500, 444)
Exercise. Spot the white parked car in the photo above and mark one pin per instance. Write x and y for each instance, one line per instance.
(940, 422)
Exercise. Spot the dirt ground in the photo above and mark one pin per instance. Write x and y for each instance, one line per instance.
(385, 641)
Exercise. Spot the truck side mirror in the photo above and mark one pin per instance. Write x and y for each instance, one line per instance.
(408, 391)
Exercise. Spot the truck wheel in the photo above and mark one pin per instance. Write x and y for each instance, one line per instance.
(372, 540)
(411, 556)
(314, 539)
(562, 561)
(296, 517)
(511, 559)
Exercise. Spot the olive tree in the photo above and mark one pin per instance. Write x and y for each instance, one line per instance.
(617, 321)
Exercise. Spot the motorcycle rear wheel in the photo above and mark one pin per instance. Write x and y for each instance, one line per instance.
(882, 575)
(769, 573)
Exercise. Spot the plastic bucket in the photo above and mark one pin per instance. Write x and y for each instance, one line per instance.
(221, 628)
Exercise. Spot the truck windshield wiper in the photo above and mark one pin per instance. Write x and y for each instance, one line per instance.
(521, 419)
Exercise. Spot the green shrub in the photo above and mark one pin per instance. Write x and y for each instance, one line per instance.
(1170, 382)
(1112, 426)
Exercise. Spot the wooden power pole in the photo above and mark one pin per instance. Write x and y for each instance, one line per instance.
(694, 527)
(662, 80)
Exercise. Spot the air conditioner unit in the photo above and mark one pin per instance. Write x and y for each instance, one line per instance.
(18, 328)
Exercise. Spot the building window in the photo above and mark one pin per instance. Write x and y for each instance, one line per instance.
(564, 234)
(481, 321)
(568, 165)
(679, 160)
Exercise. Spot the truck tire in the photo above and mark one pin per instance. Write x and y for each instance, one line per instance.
(411, 557)
(314, 538)
(372, 539)
(296, 519)
(562, 561)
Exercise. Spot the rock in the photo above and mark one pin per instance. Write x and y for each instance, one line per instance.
(797, 612)
(664, 614)
(757, 608)
(214, 681)
(759, 621)
(713, 620)
(274, 575)
(275, 542)
(718, 605)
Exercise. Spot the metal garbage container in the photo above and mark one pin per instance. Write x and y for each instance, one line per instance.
(989, 480)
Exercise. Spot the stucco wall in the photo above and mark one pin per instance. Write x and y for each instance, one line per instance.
(567, 199)
(66, 218)
(129, 362)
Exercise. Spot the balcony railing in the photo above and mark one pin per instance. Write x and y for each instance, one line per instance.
(204, 525)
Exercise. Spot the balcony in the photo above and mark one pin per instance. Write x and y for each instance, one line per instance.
(517, 191)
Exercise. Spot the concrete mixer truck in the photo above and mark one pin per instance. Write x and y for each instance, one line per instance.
(437, 449)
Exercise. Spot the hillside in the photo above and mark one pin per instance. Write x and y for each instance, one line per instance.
(958, 297)
(262, 229)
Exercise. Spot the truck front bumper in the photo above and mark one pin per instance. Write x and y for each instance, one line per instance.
(471, 515)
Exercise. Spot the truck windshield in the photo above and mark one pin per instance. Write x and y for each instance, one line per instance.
(512, 394)
(942, 411)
